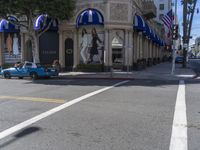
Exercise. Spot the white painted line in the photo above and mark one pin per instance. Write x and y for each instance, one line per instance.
(179, 128)
(35, 119)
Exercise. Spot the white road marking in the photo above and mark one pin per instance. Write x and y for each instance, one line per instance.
(35, 119)
(179, 128)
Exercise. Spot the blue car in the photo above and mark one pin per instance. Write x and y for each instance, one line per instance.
(28, 69)
(179, 59)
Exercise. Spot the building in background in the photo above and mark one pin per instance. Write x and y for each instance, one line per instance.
(163, 7)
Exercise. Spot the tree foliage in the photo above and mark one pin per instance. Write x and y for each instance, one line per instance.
(30, 9)
(60, 9)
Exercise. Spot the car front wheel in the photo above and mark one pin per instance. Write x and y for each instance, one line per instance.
(7, 75)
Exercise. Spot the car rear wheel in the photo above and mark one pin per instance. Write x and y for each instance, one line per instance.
(34, 75)
(7, 75)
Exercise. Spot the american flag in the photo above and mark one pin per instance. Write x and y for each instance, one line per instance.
(168, 20)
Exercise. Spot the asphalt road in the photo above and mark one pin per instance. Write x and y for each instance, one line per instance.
(137, 115)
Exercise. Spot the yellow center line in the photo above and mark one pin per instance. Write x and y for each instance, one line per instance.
(35, 99)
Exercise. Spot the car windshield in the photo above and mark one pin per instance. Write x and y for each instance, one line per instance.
(38, 65)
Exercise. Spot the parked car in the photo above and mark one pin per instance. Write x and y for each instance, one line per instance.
(179, 59)
(28, 69)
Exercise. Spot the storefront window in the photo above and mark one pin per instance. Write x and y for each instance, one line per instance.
(12, 43)
(91, 43)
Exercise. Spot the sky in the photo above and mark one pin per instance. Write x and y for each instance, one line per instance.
(195, 32)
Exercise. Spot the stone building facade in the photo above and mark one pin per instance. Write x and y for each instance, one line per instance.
(128, 37)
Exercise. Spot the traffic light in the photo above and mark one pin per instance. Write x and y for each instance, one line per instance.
(175, 32)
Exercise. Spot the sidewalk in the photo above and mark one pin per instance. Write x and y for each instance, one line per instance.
(159, 71)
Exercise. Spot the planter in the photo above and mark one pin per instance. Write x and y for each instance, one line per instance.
(90, 68)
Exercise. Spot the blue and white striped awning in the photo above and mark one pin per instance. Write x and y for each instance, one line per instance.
(90, 16)
(139, 23)
(42, 21)
(7, 26)
(152, 35)
(147, 31)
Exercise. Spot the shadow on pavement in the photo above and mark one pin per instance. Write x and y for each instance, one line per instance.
(21, 134)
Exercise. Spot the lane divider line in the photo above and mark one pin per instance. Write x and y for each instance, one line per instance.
(35, 99)
(39, 117)
(179, 128)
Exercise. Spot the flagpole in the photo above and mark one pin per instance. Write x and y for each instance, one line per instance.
(174, 42)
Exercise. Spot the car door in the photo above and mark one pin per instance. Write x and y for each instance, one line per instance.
(25, 70)
(14, 71)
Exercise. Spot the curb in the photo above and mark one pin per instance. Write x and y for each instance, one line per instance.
(96, 78)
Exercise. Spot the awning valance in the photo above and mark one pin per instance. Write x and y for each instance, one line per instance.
(139, 23)
(8, 26)
(90, 16)
(42, 22)
(147, 31)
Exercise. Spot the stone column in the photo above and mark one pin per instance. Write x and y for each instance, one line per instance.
(126, 60)
(76, 51)
(106, 48)
(156, 51)
(159, 52)
(145, 47)
(61, 50)
(153, 50)
(110, 63)
(135, 47)
(138, 46)
(150, 49)
(23, 47)
(1, 48)
(141, 46)
(130, 54)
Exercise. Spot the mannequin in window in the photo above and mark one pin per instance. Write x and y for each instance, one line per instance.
(84, 45)
(9, 43)
(15, 45)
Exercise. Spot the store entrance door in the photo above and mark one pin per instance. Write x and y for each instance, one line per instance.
(69, 54)
(117, 58)
(117, 53)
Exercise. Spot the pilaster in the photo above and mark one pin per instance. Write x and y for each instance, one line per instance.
(1, 48)
(61, 50)
(76, 52)
(23, 50)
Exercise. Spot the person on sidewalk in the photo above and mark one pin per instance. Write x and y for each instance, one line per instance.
(56, 65)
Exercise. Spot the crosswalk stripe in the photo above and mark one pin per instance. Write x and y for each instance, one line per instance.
(179, 128)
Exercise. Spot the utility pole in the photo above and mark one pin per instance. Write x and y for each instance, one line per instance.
(174, 42)
(185, 27)
(188, 12)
